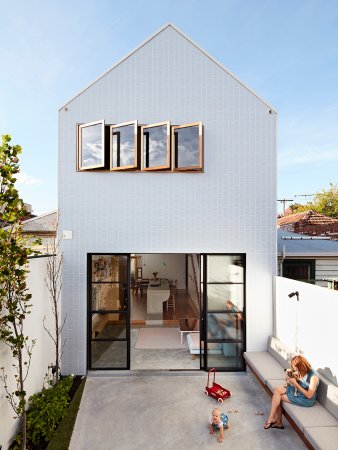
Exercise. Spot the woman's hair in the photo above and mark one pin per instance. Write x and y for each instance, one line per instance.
(302, 364)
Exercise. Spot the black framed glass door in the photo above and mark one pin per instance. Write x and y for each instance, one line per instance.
(108, 311)
(223, 319)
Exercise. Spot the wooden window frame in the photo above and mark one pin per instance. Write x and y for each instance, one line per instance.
(79, 145)
(199, 167)
(165, 167)
(132, 166)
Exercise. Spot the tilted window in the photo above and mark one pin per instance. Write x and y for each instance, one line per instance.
(123, 146)
(187, 147)
(155, 147)
(91, 146)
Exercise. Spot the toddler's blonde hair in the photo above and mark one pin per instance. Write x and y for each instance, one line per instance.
(217, 411)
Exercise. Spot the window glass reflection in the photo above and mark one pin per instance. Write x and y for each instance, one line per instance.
(109, 296)
(111, 268)
(92, 146)
(123, 148)
(225, 355)
(109, 326)
(225, 269)
(223, 297)
(225, 326)
(187, 147)
(108, 354)
(155, 146)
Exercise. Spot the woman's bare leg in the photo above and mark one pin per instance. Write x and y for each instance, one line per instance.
(276, 410)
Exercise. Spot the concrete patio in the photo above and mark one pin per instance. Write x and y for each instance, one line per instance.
(169, 410)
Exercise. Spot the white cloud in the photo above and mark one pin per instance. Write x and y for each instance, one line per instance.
(23, 178)
(293, 157)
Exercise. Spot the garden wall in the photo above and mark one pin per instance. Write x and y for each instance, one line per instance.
(43, 352)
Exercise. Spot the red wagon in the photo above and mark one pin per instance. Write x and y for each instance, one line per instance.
(216, 390)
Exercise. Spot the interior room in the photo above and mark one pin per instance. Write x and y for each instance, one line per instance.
(165, 309)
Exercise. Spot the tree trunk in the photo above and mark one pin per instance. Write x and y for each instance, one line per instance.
(24, 430)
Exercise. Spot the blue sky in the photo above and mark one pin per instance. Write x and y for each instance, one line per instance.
(286, 51)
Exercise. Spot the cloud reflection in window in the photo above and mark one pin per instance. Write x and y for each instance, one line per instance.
(92, 146)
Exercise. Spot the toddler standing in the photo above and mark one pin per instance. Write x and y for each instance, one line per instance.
(218, 421)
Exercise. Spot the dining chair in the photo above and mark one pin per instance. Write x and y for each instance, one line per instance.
(171, 303)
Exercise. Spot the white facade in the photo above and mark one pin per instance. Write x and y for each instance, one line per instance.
(43, 351)
(229, 208)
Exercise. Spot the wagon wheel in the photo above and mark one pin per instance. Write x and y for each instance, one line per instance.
(206, 392)
(220, 400)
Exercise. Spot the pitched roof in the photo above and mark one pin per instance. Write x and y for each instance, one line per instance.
(163, 28)
(302, 245)
(44, 224)
(310, 217)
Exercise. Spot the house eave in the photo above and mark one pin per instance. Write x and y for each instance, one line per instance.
(301, 255)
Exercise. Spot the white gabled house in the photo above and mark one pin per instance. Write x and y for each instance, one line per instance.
(168, 155)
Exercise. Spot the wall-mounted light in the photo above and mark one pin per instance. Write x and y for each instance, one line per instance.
(292, 294)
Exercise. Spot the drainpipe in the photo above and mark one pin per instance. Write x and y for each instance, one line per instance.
(282, 260)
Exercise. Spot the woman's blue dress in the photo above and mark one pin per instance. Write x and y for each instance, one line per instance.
(300, 399)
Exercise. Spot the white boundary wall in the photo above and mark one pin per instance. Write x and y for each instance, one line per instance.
(43, 352)
(308, 326)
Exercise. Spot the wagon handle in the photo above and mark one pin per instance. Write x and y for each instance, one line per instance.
(212, 370)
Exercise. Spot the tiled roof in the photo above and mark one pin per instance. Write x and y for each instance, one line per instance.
(45, 224)
(310, 217)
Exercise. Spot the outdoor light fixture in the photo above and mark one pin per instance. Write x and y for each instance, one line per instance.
(296, 293)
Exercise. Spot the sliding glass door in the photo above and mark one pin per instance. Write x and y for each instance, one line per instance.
(108, 311)
(223, 320)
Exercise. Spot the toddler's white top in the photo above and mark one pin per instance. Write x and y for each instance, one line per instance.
(219, 424)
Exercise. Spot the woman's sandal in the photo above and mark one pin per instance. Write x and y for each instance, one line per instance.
(279, 427)
(268, 425)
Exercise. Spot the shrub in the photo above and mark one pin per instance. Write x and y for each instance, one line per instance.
(47, 409)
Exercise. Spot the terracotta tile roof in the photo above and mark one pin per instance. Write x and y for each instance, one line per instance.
(310, 217)
(311, 223)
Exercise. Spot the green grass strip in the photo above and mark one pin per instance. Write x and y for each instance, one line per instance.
(63, 435)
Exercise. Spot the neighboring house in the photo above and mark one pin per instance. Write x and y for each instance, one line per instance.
(311, 223)
(42, 227)
(308, 258)
(167, 153)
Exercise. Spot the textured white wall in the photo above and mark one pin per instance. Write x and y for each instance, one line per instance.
(43, 350)
(308, 326)
(231, 207)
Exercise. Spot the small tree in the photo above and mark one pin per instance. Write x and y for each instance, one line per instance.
(324, 202)
(54, 285)
(14, 297)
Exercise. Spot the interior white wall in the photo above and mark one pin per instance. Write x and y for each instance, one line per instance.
(167, 265)
(308, 326)
(43, 351)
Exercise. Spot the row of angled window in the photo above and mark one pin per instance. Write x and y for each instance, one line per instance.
(128, 146)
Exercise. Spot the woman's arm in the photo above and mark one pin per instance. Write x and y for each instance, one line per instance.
(312, 386)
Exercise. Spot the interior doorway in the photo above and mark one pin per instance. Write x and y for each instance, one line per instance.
(164, 311)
